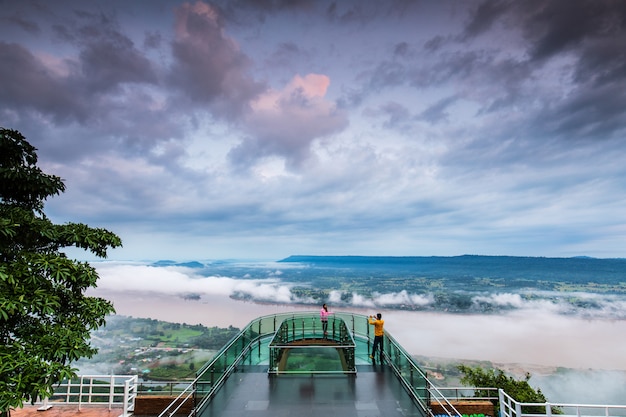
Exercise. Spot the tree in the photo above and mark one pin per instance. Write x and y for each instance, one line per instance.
(520, 390)
(45, 316)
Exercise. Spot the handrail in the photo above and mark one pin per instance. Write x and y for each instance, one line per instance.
(190, 392)
(154, 387)
(457, 393)
(306, 328)
(112, 390)
(395, 355)
(509, 407)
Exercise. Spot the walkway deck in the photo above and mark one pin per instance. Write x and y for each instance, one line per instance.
(373, 392)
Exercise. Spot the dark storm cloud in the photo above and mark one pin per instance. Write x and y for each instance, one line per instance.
(340, 12)
(436, 43)
(271, 5)
(209, 67)
(153, 40)
(28, 85)
(108, 58)
(603, 62)
(457, 66)
(484, 17)
(590, 114)
(437, 113)
(286, 54)
(23, 23)
(110, 61)
(587, 33)
(590, 33)
(401, 49)
(397, 115)
(387, 74)
(558, 26)
(73, 90)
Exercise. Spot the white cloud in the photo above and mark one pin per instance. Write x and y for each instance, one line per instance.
(182, 281)
(403, 298)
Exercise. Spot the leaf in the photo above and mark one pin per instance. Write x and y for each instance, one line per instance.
(46, 318)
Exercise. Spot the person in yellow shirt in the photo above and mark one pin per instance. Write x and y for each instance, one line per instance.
(378, 324)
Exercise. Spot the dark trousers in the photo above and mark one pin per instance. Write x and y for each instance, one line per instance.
(324, 326)
(378, 345)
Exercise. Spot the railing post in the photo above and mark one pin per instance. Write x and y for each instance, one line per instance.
(80, 392)
(111, 391)
(126, 397)
(502, 403)
(67, 390)
(548, 410)
(45, 406)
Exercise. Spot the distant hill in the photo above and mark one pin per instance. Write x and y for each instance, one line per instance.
(358, 259)
(402, 259)
(192, 264)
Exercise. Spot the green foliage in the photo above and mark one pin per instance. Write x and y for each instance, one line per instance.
(45, 317)
(520, 390)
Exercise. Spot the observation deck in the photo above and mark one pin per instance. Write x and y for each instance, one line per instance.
(283, 365)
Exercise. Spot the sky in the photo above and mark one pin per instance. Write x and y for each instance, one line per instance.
(262, 129)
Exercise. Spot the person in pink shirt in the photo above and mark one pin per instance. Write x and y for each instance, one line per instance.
(324, 313)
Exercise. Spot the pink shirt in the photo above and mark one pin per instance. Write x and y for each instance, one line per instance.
(324, 314)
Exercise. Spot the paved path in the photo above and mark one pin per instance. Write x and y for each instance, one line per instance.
(66, 411)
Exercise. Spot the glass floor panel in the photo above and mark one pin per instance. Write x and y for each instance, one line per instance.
(373, 392)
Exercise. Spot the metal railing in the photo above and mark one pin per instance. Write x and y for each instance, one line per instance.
(415, 380)
(169, 388)
(512, 408)
(464, 393)
(213, 375)
(114, 391)
(251, 347)
(302, 336)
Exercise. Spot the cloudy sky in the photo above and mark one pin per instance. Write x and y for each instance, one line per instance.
(261, 129)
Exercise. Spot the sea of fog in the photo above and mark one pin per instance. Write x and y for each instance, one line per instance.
(524, 327)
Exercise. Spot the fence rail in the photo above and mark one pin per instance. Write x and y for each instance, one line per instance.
(463, 393)
(113, 391)
(511, 408)
(148, 388)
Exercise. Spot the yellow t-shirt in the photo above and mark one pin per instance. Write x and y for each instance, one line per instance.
(378, 326)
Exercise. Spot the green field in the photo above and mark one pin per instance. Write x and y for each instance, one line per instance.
(154, 349)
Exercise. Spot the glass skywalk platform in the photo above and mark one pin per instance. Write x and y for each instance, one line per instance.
(283, 365)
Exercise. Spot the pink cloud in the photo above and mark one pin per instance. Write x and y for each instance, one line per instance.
(285, 122)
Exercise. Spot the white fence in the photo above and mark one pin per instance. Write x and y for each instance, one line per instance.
(114, 391)
(511, 408)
